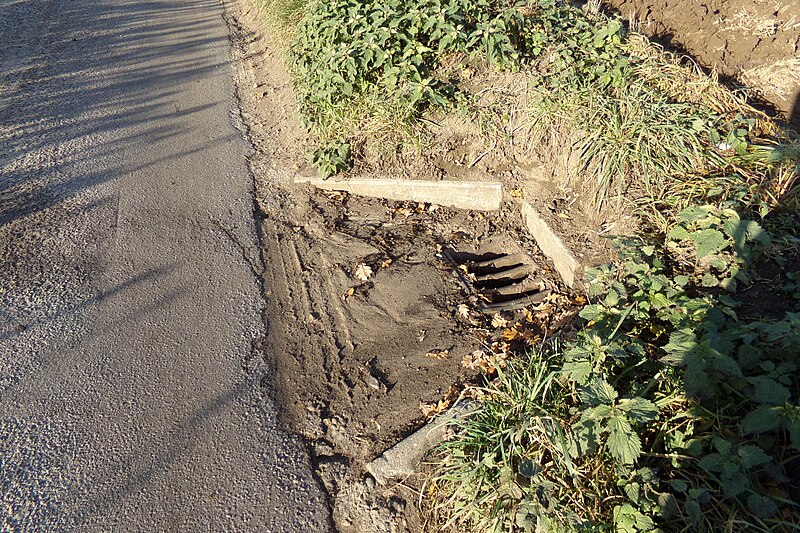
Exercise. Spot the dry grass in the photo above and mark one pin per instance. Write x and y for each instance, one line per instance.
(283, 18)
(749, 23)
(682, 80)
(780, 79)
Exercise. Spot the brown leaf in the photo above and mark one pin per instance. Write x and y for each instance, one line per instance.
(498, 321)
(438, 353)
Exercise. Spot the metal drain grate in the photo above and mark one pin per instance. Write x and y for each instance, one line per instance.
(505, 281)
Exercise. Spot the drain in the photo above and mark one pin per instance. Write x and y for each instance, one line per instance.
(504, 281)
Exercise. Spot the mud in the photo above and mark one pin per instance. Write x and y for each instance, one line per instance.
(756, 43)
(375, 311)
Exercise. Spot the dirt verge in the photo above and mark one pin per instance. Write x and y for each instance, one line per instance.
(374, 319)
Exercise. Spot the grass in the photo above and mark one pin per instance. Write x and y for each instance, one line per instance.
(283, 18)
(638, 120)
(516, 429)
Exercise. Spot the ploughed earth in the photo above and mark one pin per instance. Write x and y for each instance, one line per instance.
(754, 42)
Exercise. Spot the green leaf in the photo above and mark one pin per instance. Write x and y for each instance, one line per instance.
(592, 312)
(694, 512)
(628, 519)
(695, 213)
(528, 468)
(660, 300)
(713, 462)
(681, 343)
(742, 231)
(639, 410)
(623, 443)
(599, 392)
(769, 391)
(793, 427)
(678, 485)
(632, 491)
(709, 241)
(762, 506)
(578, 371)
(709, 280)
(761, 419)
(584, 439)
(753, 456)
(678, 233)
(611, 299)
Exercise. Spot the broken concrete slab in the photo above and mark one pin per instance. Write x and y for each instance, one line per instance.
(569, 268)
(402, 459)
(476, 195)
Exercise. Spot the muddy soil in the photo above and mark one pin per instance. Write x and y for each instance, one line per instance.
(374, 318)
(756, 42)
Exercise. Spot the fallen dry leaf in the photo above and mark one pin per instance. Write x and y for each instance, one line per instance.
(433, 409)
(486, 363)
(438, 353)
(498, 321)
(363, 272)
(511, 334)
(471, 359)
(464, 270)
(527, 315)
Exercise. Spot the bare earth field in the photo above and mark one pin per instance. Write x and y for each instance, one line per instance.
(755, 42)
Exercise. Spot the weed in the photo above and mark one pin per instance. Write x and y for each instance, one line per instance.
(331, 159)
(668, 411)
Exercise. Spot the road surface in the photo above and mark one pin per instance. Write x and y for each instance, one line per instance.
(131, 394)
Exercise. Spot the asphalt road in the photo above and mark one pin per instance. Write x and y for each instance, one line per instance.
(130, 392)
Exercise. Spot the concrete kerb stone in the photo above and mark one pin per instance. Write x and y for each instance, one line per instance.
(403, 458)
(477, 195)
(569, 268)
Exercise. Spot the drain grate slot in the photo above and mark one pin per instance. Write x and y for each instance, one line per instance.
(500, 263)
(502, 278)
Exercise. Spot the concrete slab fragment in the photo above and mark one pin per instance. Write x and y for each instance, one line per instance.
(401, 459)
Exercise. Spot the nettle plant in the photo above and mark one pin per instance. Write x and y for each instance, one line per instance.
(718, 244)
(669, 378)
(345, 49)
(668, 412)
